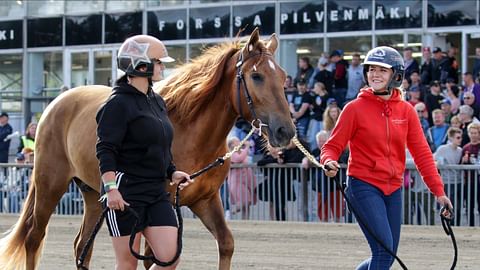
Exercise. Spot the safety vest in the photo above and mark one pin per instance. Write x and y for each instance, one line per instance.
(28, 143)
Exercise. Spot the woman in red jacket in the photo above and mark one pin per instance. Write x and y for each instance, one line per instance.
(377, 126)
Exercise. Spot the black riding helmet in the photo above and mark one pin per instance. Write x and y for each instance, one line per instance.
(386, 57)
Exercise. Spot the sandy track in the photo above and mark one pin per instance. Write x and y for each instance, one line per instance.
(273, 245)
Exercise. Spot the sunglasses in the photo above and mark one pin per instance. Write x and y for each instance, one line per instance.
(458, 137)
(467, 98)
(420, 111)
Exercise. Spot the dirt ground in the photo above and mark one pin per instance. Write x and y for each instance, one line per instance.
(273, 245)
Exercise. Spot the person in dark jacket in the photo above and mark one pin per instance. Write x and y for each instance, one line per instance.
(5, 130)
(277, 187)
(133, 149)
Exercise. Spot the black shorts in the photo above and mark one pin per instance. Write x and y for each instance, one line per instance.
(152, 210)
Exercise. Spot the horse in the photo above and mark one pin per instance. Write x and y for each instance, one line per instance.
(204, 98)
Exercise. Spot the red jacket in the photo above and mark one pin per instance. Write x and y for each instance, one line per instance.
(377, 131)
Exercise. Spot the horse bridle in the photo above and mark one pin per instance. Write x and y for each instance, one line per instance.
(241, 78)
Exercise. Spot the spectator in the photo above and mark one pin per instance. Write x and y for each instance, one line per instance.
(416, 81)
(323, 75)
(300, 109)
(426, 68)
(471, 86)
(451, 154)
(289, 89)
(413, 95)
(241, 181)
(329, 198)
(437, 134)
(5, 130)
(470, 156)
(304, 72)
(455, 122)
(411, 64)
(355, 78)
(417, 198)
(27, 141)
(476, 64)
(319, 104)
(453, 64)
(422, 114)
(469, 99)
(446, 107)
(465, 115)
(433, 99)
(452, 95)
(330, 116)
(277, 188)
(340, 76)
(440, 66)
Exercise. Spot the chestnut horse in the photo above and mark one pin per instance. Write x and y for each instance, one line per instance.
(203, 98)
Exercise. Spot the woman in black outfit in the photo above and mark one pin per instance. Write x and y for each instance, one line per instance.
(133, 149)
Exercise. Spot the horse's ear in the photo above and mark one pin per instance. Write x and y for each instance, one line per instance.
(254, 38)
(272, 43)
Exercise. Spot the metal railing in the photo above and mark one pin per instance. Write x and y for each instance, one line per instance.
(288, 192)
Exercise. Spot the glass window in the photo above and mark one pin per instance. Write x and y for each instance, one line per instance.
(12, 34)
(248, 17)
(52, 69)
(124, 5)
(11, 82)
(44, 32)
(12, 9)
(45, 7)
(197, 49)
(451, 13)
(394, 41)
(209, 22)
(118, 27)
(83, 30)
(179, 53)
(301, 17)
(473, 54)
(84, 6)
(162, 3)
(348, 15)
(103, 68)
(167, 24)
(292, 50)
(391, 14)
(79, 72)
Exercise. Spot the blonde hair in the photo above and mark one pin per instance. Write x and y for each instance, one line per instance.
(328, 121)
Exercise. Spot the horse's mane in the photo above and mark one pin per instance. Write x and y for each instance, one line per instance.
(192, 87)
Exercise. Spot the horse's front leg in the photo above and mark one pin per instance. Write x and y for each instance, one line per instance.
(210, 211)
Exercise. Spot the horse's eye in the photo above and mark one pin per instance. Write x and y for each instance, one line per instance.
(257, 77)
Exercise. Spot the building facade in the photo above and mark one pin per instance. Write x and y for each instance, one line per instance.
(45, 44)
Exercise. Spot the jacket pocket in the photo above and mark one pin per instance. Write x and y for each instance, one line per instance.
(382, 169)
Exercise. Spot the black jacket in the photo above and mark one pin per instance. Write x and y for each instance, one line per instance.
(135, 134)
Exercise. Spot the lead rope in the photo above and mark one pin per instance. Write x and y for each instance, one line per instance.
(98, 225)
(312, 159)
(446, 219)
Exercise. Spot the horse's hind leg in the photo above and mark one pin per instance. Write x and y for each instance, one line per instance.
(92, 211)
(210, 211)
(49, 188)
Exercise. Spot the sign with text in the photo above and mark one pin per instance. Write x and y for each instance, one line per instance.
(167, 24)
(11, 34)
(248, 17)
(211, 22)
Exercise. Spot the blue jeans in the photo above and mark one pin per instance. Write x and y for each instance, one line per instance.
(383, 215)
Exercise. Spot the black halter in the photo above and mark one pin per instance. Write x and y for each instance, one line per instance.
(240, 79)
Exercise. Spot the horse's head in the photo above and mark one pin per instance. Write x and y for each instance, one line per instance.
(260, 82)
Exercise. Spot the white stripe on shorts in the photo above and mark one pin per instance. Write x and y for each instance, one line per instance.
(112, 218)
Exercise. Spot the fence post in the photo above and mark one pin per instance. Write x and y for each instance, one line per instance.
(304, 180)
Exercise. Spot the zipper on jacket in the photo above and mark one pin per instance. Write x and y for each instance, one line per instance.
(149, 101)
(389, 151)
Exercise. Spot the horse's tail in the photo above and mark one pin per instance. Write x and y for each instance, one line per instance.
(13, 253)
